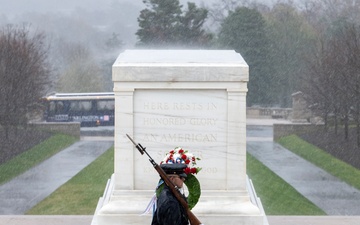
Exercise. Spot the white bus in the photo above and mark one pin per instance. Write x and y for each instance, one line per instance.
(90, 109)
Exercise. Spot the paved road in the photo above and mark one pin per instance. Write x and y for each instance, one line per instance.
(330, 194)
(25, 191)
(324, 190)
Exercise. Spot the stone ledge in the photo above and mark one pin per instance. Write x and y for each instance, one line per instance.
(314, 220)
(45, 220)
(86, 220)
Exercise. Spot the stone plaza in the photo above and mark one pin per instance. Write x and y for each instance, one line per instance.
(195, 99)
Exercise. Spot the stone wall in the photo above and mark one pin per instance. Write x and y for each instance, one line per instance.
(301, 112)
(70, 128)
(275, 113)
(282, 130)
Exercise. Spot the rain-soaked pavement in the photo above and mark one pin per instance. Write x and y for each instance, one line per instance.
(26, 190)
(330, 194)
(335, 197)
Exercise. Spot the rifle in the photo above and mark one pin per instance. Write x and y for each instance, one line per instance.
(192, 218)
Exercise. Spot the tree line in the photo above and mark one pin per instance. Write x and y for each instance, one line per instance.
(313, 48)
(310, 47)
(274, 41)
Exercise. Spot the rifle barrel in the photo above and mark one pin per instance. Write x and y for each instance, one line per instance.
(138, 146)
(192, 218)
(131, 140)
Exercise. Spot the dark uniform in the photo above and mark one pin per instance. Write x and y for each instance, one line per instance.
(169, 210)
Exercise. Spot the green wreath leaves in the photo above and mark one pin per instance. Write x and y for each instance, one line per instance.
(193, 186)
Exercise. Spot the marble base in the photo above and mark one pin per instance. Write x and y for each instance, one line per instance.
(215, 207)
(122, 219)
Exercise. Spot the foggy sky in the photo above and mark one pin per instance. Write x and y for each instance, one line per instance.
(11, 7)
(20, 6)
(93, 13)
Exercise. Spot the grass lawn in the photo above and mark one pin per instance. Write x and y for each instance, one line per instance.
(34, 156)
(277, 196)
(79, 196)
(322, 159)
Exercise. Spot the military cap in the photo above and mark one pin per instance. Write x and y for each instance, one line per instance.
(176, 168)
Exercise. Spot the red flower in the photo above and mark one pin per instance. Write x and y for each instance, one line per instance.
(184, 157)
(187, 170)
(187, 161)
(193, 159)
(193, 170)
(181, 151)
(172, 152)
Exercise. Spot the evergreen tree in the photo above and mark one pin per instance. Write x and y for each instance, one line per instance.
(291, 42)
(190, 32)
(163, 23)
(244, 30)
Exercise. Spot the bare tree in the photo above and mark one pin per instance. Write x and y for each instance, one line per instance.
(23, 74)
(333, 81)
(351, 60)
(318, 82)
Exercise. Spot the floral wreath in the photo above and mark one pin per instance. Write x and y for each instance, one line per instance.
(179, 155)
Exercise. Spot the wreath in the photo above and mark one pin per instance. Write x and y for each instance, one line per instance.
(179, 155)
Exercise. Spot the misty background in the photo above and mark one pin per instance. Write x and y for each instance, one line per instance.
(84, 37)
(85, 20)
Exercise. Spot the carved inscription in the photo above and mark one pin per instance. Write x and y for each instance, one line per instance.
(193, 119)
(179, 106)
(179, 121)
(165, 114)
(180, 138)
